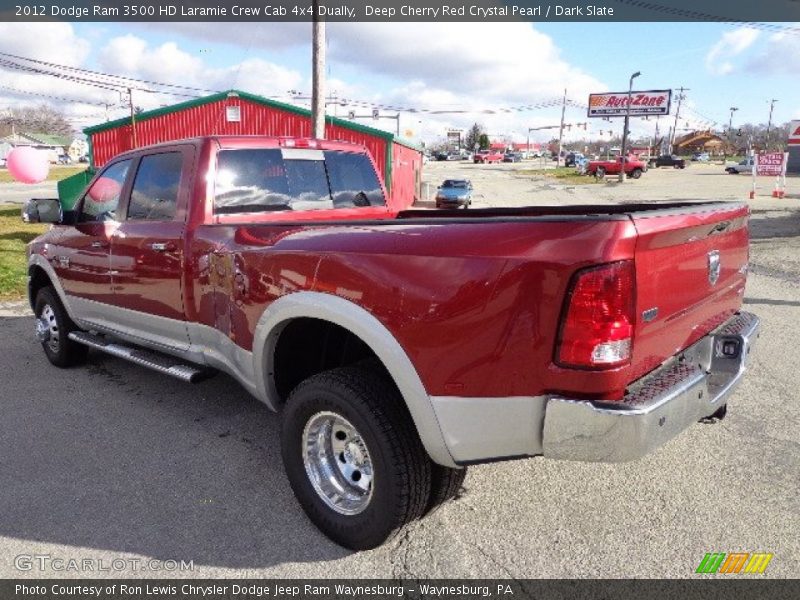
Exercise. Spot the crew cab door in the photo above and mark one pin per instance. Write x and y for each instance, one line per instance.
(81, 255)
(147, 248)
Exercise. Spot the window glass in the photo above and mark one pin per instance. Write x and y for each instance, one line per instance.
(102, 199)
(262, 180)
(353, 180)
(154, 196)
(250, 181)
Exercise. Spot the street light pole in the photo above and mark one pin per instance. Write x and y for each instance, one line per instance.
(625, 128)
(730, 126)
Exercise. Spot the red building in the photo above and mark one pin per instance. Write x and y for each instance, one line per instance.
(240, 113)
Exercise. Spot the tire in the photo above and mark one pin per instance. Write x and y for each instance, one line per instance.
(51, 314)
(445, 485)
(600, 172)
(636, 173)
(379, 440)
(731, 171)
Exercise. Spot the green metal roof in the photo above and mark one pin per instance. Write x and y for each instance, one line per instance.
(252, 98)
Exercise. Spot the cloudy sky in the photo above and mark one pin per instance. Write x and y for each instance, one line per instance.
(506, 76)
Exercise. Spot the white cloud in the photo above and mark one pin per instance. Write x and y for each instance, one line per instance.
(431, 67)
(478, 67)
(265, 35)
(131, 56)
(720, 58)
(508, 61)
(48, 42)
(53, 42)
(780, 56)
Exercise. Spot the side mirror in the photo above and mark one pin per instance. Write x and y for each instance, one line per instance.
(42, 210)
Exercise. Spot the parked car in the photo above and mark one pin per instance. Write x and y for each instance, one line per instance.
(701, 157)
(488, 156)
(668, 160)
(512, 157)
(398, 347)
(744, 166)
(454, 193)
(600, 168)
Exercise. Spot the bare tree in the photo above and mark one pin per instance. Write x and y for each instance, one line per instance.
(37, 119)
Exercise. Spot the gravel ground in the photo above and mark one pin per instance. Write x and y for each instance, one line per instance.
(109, 461)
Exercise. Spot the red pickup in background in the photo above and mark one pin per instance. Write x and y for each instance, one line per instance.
(600, 168)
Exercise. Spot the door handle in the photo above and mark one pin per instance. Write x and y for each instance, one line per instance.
(162, 246)
(99, 244)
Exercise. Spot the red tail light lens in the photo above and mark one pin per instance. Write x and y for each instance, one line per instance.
(597, 325)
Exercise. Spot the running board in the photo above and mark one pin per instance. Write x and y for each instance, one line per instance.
(146, 358)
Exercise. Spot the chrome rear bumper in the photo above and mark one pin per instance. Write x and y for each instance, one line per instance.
(694, 385)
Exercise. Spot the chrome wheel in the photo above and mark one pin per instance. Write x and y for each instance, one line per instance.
(47, 329)
(337, 463)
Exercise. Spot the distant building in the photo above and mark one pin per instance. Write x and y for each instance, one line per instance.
(699, 141)
(55, 145)
(78, 149)
(398, 161)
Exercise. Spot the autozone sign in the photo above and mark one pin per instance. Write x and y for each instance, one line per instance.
(615, 104)
(794, 133)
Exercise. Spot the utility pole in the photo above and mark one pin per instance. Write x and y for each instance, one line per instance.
(681, 98)
(133, 118)
(561, 128)
(769, 123)
(318, 74)
(655, 139)
(623, 153)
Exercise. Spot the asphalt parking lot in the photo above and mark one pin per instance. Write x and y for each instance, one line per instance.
(113, 462)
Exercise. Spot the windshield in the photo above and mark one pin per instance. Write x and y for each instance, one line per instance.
(260, 180)
(454, 184)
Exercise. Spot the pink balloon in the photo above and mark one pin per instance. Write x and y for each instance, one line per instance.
(104, 190)
(27, 165)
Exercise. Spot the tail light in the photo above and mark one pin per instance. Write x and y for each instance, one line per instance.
(597, 322)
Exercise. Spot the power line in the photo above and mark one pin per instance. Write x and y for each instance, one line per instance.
(107, 75)
(699, 16)
(61, 98)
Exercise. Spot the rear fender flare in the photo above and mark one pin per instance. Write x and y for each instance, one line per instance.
(372, 332)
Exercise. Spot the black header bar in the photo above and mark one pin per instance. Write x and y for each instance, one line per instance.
(593, 11)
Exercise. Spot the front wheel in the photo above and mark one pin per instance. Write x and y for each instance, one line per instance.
(636, 173)
(53, 327)
(353, 457)
(600, 172)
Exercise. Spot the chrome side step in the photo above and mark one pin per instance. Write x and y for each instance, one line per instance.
(146, 358)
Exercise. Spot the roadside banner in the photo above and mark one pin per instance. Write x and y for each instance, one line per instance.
(615, 104)
(771, 164)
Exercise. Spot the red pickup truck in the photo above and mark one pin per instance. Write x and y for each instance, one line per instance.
(396, 348)
(488, 157)
(600, 168)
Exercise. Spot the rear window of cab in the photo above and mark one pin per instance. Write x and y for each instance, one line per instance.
(288, 179)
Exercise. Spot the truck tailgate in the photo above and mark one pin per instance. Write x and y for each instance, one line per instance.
(691, 266)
